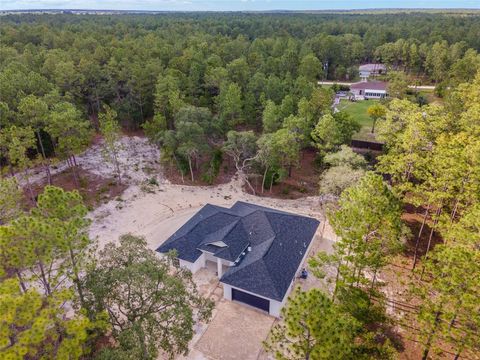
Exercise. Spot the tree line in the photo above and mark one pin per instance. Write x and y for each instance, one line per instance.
(62, 297)
(208, 74)
(118, 59)
(203, 86)
(432, 161)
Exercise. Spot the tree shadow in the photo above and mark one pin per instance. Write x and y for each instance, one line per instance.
(413, 218)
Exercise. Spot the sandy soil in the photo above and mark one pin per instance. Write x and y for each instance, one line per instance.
(138, 161)
(158, 215)
(157, 211)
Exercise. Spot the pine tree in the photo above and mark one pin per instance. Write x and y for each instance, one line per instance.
(33, 112)
(229, 103)
(33, 326)
(66, 210)
(111, 132)
(313, 327)
(449, 293)
(367, 221)
(70, 132)
(16, 142)
(11, 198)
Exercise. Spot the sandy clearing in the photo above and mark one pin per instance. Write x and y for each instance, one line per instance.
(159, 212)
(139, 160)
(158, 215)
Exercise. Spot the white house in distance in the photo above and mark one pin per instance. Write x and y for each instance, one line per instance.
(365, 90)
(258, 251)
(371, 70)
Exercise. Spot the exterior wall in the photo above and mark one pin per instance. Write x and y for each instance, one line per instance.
(210, 257)
(275, 306)
(375, 94)
(195, 266)
(186, 264)
(364, 74)
(200, 262)
(227, 292)
(360, 94)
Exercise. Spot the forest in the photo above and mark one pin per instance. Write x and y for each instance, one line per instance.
(240, 91)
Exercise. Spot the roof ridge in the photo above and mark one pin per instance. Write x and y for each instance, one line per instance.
(270, 282)
(232, 226)
(269, 275)
(205, 218)
(262, 212)
(267, 267)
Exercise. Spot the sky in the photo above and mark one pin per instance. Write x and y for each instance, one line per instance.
(233, 5)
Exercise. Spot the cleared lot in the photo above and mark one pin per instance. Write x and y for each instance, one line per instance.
(235, 333)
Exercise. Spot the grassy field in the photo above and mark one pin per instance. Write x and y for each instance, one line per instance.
(358, 110)
(431, 97)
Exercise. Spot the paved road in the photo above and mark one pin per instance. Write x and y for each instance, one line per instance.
(419, 87)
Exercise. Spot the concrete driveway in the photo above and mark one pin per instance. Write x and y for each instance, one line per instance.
(235, 333)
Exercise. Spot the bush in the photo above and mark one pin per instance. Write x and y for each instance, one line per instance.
(213, 167)
(337, 178)
(273, 177)
(441, 89)
(153, 181)
(182, 165)
(347, 157)
(319, 160)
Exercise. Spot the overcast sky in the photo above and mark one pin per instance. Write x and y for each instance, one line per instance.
(233, 5)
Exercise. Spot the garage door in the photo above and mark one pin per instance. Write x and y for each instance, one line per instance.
(250, 299)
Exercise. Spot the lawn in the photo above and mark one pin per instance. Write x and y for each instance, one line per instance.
(431, 97)
(358, 110)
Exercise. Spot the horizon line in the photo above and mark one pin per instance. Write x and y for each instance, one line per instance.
(265, 10)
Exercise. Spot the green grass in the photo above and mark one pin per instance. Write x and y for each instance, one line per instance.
(358, 110)
(431, 97)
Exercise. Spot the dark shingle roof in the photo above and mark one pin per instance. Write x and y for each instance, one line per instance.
(278, 241)
(371, 85)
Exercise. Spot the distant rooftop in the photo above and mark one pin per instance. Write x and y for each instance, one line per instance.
(372, 67)
(371, 85)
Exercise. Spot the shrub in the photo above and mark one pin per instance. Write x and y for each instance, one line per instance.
(213, 167)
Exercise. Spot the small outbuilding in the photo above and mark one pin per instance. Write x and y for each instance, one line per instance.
(257, 250)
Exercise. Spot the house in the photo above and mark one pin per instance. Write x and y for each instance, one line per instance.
(257, 250)
(369, 90)
(371, 70)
